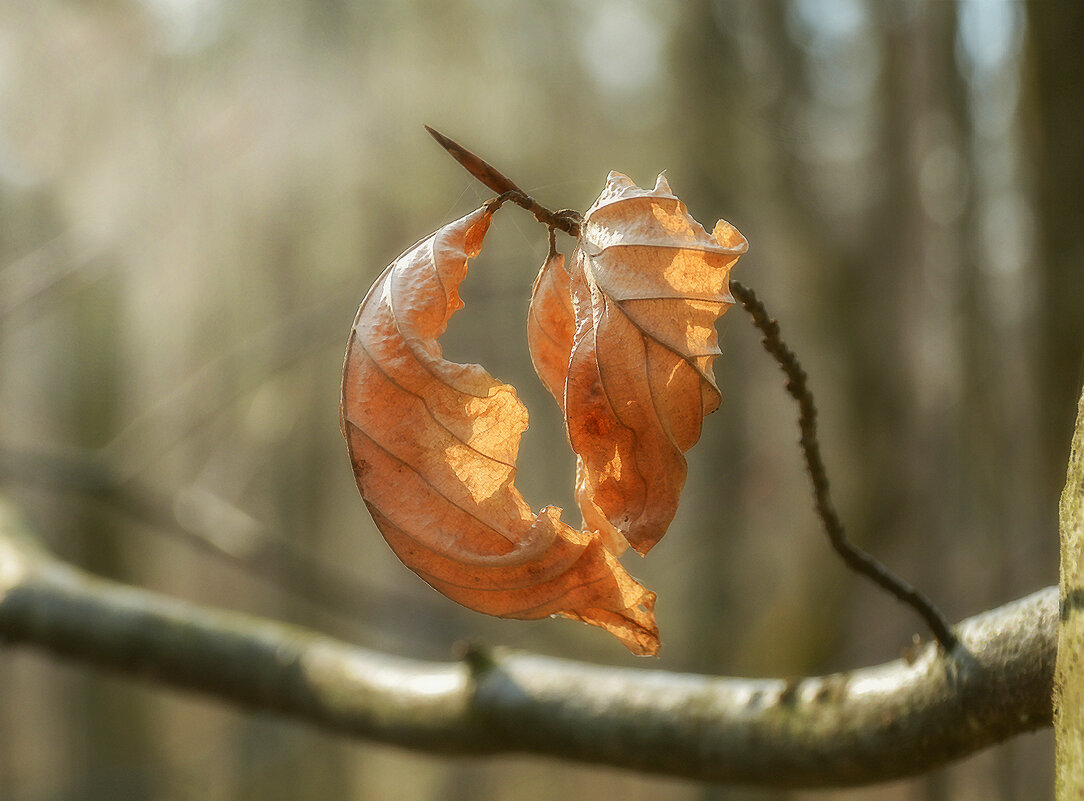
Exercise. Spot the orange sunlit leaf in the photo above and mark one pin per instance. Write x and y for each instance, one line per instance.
(647, 284)
(551, 325)
(434, 444)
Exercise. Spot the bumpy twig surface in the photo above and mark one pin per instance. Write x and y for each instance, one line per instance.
(855, 558)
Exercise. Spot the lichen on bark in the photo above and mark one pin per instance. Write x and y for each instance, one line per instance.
(1069, 671)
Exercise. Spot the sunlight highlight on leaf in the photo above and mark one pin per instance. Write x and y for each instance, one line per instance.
(434, 444)
(647, 284)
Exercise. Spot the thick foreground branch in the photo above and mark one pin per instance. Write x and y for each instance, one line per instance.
(1069, 673)
(898, 719)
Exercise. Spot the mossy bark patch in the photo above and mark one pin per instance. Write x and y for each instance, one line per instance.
(1069, 673)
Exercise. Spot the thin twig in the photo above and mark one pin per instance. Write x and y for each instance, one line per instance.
(852, 555)
(566, 220)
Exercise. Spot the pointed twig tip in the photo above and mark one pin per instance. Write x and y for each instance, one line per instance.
(476, 166)
(433, 132)
(506, 189)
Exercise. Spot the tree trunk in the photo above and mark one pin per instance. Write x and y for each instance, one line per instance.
(1069, 672)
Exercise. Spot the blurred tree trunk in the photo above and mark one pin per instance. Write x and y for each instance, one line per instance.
(1056, 114)
(706, 63)
(1056, 53)
(112, 740)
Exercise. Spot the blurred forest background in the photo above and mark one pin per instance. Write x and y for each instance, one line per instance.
(196, 194)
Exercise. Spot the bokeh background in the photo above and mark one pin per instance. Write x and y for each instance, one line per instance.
(196, 194)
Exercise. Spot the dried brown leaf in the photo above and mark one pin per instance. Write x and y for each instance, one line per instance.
(551, 325)
(647, 284)
(434, 444)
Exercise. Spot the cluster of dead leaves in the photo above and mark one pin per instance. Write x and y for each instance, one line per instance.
(623, 338)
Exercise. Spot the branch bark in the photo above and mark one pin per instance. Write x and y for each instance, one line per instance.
(1069, 692)
(874, 724)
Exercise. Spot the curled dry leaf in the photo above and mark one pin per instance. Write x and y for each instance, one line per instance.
(434, 444)
(551, 325)
(647, 284)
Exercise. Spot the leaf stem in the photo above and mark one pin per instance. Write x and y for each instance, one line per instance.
(854, 557)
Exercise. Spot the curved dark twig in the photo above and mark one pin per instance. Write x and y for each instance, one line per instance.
(855, 558)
